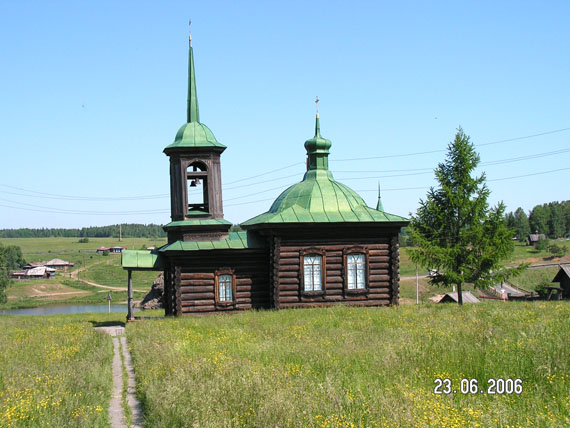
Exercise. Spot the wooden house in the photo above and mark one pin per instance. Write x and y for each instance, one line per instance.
(38, 272)
(111, 250)
(534, 238)
(563, 277)
(453, 297)
(58, 264)
(319, 243)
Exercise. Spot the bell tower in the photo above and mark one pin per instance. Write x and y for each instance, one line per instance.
(196, 207)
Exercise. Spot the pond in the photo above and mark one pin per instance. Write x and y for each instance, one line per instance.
(65, 309)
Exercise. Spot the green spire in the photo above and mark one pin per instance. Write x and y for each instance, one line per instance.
(193, 133)
(379, 206)
(193, 111)
(317, 150)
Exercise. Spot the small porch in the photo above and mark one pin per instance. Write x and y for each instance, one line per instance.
(141, 260)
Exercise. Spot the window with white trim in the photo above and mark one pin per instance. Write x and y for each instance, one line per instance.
(356, 271)
(312, 272)
(225, 288)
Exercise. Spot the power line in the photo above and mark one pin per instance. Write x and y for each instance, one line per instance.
(78, 212)
(418, 171)
(444, 150)
(265, 173)
(88, 198)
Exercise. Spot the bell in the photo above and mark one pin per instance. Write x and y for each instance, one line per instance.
(193, 183)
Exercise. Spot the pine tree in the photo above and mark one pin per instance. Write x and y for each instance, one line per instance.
(521, 224)
(539, 218)
(454, 229)
(556, 222)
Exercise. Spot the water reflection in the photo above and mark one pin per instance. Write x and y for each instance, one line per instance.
(65, 309)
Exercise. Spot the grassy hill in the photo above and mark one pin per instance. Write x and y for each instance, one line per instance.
(356, 367)
(68, 288)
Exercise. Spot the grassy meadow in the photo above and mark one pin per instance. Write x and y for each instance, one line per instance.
(355, 367)
(55, 371)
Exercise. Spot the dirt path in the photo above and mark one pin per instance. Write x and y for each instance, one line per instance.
(109, 287)
(75, 274)
(48, 293)
(116, 411)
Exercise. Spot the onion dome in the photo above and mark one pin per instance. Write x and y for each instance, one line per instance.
(319, 198)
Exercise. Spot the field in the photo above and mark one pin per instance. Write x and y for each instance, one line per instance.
(356, 367)
(72, 286)
(54, 371)
(325, 367)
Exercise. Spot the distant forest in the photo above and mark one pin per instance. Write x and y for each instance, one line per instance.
(552, 219)
(128, 231)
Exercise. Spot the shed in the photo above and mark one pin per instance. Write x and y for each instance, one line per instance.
(563, 277)
(534, 238)
(453, 297)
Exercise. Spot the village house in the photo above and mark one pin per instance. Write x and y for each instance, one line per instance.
(563, 278)
(58, 264)
(318, 244)
(110, 250)
(534, 238)
(38, 272)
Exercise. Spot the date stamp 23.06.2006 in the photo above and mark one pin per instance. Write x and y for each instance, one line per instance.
(493, 386)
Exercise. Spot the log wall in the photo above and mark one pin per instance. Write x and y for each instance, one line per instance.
(195, 287)
(383, 275)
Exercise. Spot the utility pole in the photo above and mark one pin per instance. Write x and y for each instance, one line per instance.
(120, 232)
(130, 316)
(417, 287)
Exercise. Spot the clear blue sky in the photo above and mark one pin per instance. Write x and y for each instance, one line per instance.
(91, 93)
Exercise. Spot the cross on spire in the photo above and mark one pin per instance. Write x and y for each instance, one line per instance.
(317, 105)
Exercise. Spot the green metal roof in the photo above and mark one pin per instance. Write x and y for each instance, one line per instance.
(319, 198)
(235, 241)
(141, 260)
(197, 222)
(193, 133)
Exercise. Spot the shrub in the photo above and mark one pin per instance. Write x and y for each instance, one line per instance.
(83, 240)
(540, 290)
(557, 250)
(105, 253)
(542, 245)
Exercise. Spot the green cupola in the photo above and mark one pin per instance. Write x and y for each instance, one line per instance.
(319, 198)
(317, 149)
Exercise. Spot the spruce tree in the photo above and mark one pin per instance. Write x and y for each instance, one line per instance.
(455, 231)
(521, 224)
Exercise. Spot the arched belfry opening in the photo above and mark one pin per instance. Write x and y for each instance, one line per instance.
(197, 188)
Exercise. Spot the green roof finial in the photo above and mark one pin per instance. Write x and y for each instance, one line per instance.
(193, 114)
(317, 147)
(379, 206)
(317, 124)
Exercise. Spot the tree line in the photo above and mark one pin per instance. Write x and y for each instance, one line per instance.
(551, 219)
(112, 231)
(10, 259)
